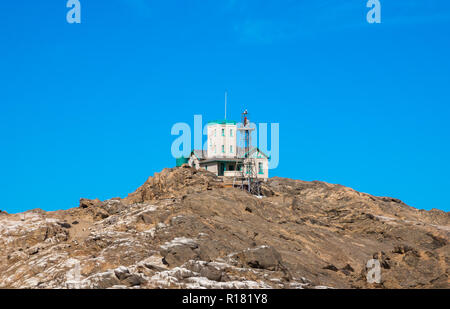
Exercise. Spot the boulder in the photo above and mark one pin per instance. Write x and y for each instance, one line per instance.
(121, 272)
(206, 270)
(211, 273)
(87, 203)
(177, 255)
(64, 225)
(179, 250)
(264, 257)
(134, 280)
(101, 281)
(146, 218)
(266, 191)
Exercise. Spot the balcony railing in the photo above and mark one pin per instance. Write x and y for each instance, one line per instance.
(232, 173)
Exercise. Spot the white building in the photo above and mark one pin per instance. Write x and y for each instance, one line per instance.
(224, 158)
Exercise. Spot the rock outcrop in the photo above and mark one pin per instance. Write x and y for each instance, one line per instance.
(183, 229)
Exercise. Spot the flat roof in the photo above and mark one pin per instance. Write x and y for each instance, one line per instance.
(220, 160)
(222, 122)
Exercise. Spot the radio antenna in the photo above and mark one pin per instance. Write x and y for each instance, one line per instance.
(226, 94)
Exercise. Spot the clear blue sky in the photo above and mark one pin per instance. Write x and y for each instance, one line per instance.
(86, 110)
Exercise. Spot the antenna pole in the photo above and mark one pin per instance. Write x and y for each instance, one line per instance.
(226, 105)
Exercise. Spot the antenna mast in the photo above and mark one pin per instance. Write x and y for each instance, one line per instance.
(226, 94)
(248, 177)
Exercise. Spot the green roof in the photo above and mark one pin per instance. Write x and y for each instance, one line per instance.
(181, 161)
(222, 122)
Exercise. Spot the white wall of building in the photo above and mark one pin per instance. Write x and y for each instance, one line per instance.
(212, 167)
(221, 140)
(194, 162)
(260, 161)
(265, 167)
(224, 134)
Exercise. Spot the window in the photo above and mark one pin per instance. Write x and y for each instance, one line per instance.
(223, 132)
(231, 132)
(223, 148)
(260, 168)
(231, 149)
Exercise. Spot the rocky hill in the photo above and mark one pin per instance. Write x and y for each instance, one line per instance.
(184, 229)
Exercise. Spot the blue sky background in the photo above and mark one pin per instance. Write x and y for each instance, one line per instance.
(86, 110)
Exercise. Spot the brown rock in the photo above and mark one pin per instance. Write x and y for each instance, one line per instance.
(263, 257)
(87, 203)
(210, 236)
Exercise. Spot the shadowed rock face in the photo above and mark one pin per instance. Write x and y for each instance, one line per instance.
(182, 228)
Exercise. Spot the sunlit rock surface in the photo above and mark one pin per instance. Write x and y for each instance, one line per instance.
(183, 229)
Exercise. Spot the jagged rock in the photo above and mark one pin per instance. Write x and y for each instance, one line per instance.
(146, 218)
(127, 278)
(348, 267)
(402, 249)
(134, 280)
(183, 229)
(86, 203)
(207, 270)
(179, 251)
(211, 273)
(16, 256)
(122, 272)
(102, 280)
(331, 267)
(64, 225)
(263, 257)
(266, 191)
(383, 259)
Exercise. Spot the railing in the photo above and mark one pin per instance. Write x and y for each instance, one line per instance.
(232, 173)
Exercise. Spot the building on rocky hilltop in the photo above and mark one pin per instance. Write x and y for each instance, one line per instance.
(225, 158)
